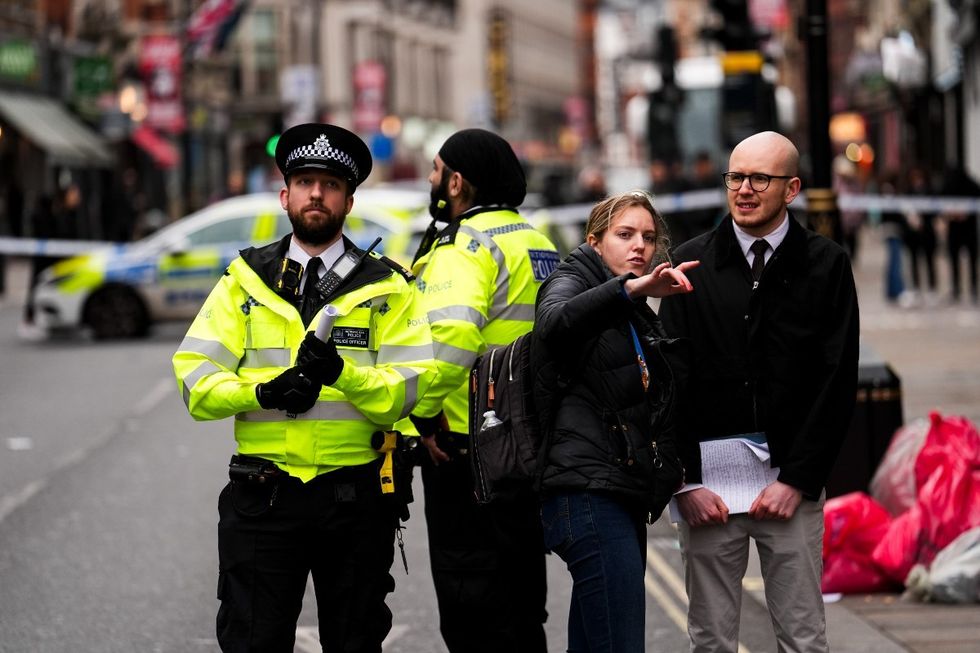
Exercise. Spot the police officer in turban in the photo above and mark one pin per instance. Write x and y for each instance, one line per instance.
(478, 271)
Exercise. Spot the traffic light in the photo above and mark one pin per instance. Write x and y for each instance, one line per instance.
(270, 145)
(736, 31)
(662, 137)
(276, 128)
(665, 103)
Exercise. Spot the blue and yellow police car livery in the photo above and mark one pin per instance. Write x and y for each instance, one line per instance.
(119, 291)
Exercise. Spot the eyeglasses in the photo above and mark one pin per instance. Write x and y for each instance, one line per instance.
(757, 180)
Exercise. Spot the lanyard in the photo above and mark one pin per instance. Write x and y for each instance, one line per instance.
(641, 360)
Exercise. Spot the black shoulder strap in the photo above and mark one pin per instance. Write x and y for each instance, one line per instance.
(398, 267)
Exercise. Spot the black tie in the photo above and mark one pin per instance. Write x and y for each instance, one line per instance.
(758, 248)
(311, 298)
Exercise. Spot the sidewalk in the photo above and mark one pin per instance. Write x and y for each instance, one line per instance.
(934, 350)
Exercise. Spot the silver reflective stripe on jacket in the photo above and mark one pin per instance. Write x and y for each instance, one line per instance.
(458, 312)
(212, 349)
(202, 370)
(322, 410)
(447, 353)
(267, 357)
(499, 308)
(411, 386)
(215, 351)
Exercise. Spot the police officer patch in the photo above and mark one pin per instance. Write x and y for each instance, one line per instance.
(350, 336)
(543, 262)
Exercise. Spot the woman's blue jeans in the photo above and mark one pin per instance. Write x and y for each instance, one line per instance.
(603, 544)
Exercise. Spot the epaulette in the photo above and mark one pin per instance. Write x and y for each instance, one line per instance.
(397, 267)
(448, 235)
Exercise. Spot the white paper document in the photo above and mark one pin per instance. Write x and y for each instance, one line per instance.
(736, 469)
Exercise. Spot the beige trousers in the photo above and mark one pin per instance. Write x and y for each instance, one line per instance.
(715, 559)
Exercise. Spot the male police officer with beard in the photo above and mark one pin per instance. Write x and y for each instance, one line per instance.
(306, 494)
(478, 278)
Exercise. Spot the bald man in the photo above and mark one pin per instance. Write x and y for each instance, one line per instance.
(766, 396)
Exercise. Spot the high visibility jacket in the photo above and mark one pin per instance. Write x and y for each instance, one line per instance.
(246, 334)
(478, 284)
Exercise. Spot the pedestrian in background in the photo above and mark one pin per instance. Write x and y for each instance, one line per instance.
(703, 176)
(768, 389)
(919, 236)
(46, 222)
(666, 179)
(611, 431)
(892, 228)
(305, 493)
(478, 268)
(961, 231)
(847, 183)
(591, 185)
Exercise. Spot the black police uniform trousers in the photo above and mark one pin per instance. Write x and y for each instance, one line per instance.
(488, 564)
(338, 527)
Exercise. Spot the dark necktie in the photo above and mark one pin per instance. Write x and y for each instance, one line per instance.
(758, 248)
(311, 298)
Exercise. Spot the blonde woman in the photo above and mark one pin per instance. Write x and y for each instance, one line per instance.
(609, 441)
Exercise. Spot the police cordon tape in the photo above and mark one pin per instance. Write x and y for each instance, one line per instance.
(578, 213)
(51, 246)
(669, 203)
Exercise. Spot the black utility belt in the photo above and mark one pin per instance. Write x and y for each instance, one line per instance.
(250, 469)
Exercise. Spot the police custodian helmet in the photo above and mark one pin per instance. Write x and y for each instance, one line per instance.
(324, 147)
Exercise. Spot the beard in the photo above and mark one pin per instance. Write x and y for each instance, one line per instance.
(315, 231)
(439, 198)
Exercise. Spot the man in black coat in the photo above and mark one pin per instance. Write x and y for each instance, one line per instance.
(766, 396)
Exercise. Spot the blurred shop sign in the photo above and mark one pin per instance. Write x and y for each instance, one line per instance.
(370, 79)
(577, 117)
(93, 79)
(769, 14)
(298, 93)
(902, 62)
(160, 67)
(19, 61)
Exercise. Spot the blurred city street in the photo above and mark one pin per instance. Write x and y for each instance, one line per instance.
(56, 523)
(138, 158)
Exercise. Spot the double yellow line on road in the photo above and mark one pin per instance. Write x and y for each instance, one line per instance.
(674, 606)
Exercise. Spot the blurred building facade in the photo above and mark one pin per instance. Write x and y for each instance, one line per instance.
(183, 96)
(186, 94)
(407, 73)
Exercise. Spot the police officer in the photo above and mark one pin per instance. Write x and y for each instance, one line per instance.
(478, 276)
(305, 494)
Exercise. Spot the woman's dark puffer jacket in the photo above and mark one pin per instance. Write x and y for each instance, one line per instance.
(604, 424)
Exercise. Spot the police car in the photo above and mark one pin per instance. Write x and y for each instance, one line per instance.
(118, 291)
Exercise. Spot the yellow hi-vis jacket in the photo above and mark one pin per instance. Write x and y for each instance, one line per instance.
(478, 284)
(246, 334)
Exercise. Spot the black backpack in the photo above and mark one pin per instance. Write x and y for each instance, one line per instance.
(505, 426)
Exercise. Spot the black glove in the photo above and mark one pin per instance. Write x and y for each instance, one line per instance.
(319, 360)
(427, 426)
(291, 391)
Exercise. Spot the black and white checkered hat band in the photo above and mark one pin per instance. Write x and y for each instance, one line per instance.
(324, 153)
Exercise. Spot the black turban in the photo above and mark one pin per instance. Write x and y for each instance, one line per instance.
(488, 162)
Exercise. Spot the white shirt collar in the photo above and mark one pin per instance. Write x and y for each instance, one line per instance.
(774, 238)
(328, 256)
